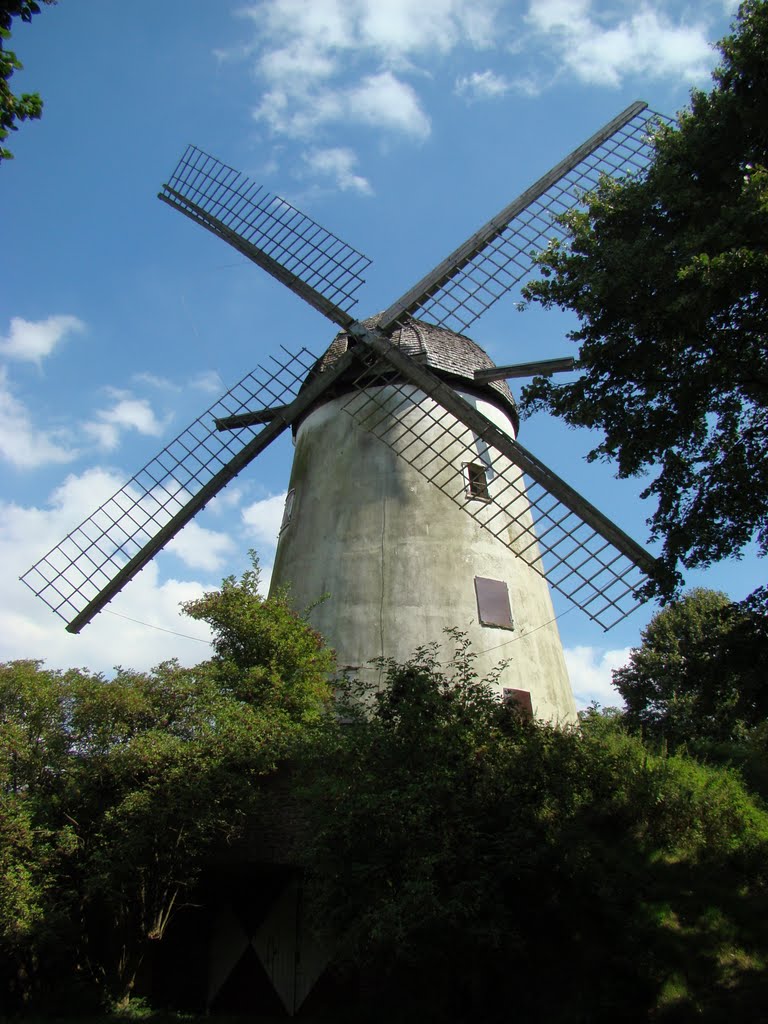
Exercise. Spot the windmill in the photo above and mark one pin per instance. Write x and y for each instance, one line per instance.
(403, 416)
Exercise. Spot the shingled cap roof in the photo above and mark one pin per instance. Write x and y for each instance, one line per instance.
(453, 357)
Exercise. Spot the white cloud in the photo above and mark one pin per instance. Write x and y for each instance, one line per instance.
(229, 498)
(263, 518)
(332, 62)
(327, 67)
(200, 548)
(300, 61)
(325, 22)
(330, 28)
(527, 85)
(338, 163)
(385, 102)
(207, 381)
(647, 42)
(410, 26)
(590, 670)
(29, 629)
(21, 443)
(381, 101)
(482, 85)
(160, 383)
(566, 16)
(32, 340)
(127, 413)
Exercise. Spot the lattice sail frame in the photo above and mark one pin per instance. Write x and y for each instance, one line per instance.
(75, 572)
(218, 196)
(523, 515)
(499, 257)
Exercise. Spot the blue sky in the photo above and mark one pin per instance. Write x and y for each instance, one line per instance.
(400, 125)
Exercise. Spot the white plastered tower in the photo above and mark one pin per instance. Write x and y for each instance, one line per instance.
(396, 560)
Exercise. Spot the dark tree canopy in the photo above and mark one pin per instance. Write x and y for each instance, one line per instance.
(458, 851)
(13, 108)
(668, 276)
(700, 671)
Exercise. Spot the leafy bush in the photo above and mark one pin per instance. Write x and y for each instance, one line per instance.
(469, 862)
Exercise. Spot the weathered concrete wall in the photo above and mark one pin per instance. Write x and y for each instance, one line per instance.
(398, 559)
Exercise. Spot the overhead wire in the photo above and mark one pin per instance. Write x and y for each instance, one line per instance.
(522, 636)
(488, 650)
(162, 629)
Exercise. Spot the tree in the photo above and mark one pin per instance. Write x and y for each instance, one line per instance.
(115, 793)
(36, 840)
(175, 758)
(27, 106)
(667, 274)
(462, 856)
(700, 672)
(168, 768)
(266, 654)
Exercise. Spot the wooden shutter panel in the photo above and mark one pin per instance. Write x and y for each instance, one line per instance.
(493, 607)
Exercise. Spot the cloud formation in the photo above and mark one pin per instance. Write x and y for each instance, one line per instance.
(263, 518)
(332, 68)
(29, 629)
(590, 671)
(126, 413)
(208, 381)
(380, 101)
(201, 548)
(21, 443)
(32, 340)
(599, 51)
(338, 163)
(334, 64)
(482, 85)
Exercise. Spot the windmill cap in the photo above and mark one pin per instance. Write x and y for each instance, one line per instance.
(453, 357)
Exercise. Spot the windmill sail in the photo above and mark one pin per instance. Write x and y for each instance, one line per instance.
(308, 259)
(95, 561)
(556, 531)
(499, 256)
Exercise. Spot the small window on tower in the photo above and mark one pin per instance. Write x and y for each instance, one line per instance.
(493, 607)
(520, 702)
(288, 509)
(476, 481)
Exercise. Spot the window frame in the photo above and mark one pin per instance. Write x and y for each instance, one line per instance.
(470, 483)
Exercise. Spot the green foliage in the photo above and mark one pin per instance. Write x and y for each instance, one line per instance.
(33, 751)
(467, 857)
(167, 767)
(114, 792)
(22, 888)
(265, 653)
(459, 854)
(666, 274)
(27, 106)
(700, 672)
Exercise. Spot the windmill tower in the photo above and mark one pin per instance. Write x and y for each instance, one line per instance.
(402, 561)
(411, 501)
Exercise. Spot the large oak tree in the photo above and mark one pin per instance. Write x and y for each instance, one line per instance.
(668, 275)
